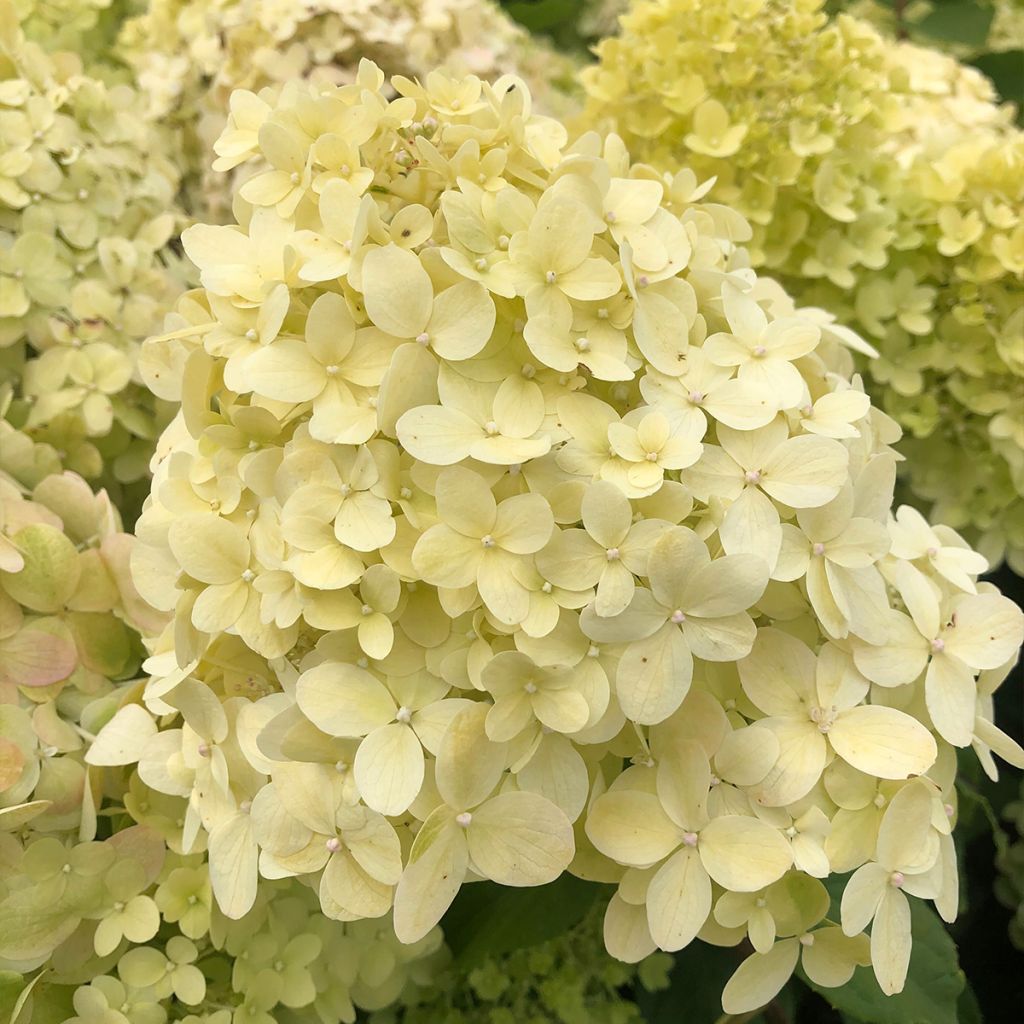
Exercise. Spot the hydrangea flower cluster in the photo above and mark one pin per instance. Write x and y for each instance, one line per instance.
(69, 609)
(68, 620)
(190, 55)
(86, 27)
(512, 525)
(883, 183)
(567, 980)
(1009, 887)
(101, 911)
(85, 271)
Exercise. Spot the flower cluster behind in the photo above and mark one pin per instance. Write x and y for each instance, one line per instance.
(190, 55)
(86, 271)
(512, 525)
(882, 182)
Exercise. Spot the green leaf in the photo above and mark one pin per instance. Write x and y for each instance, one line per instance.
(1006, 70)
(967, 1009)
(543, 15)
(934, 981)
(694, 995)
(962, 22)
(11, 984)
(488, 919)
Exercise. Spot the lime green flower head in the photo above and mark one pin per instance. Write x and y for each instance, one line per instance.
(511, 524)
(69, 621)
(86, 27)
(882, 182)
(85, 270)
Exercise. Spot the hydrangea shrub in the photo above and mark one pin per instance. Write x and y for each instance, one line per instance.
(882, 182)
(86, 214)
(190, 55)
(512, 525)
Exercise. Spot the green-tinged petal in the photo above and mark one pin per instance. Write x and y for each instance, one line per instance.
(883, 742)
(389, 768)
(678, 900)
(343, 700)
(433, 876)
(654, 676)
(520, 839)
(631, 827)
(397, 291)
(743, 854)
(760, 978)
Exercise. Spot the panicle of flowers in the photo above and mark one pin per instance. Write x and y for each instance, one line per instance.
(69, 616)
(882, 182)
(1009, 887)
(101, 909)
(566, 980)
(85, 27)
(190, 55)
(511, 524)
(85, 272)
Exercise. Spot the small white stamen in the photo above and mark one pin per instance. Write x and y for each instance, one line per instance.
(465, 819)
